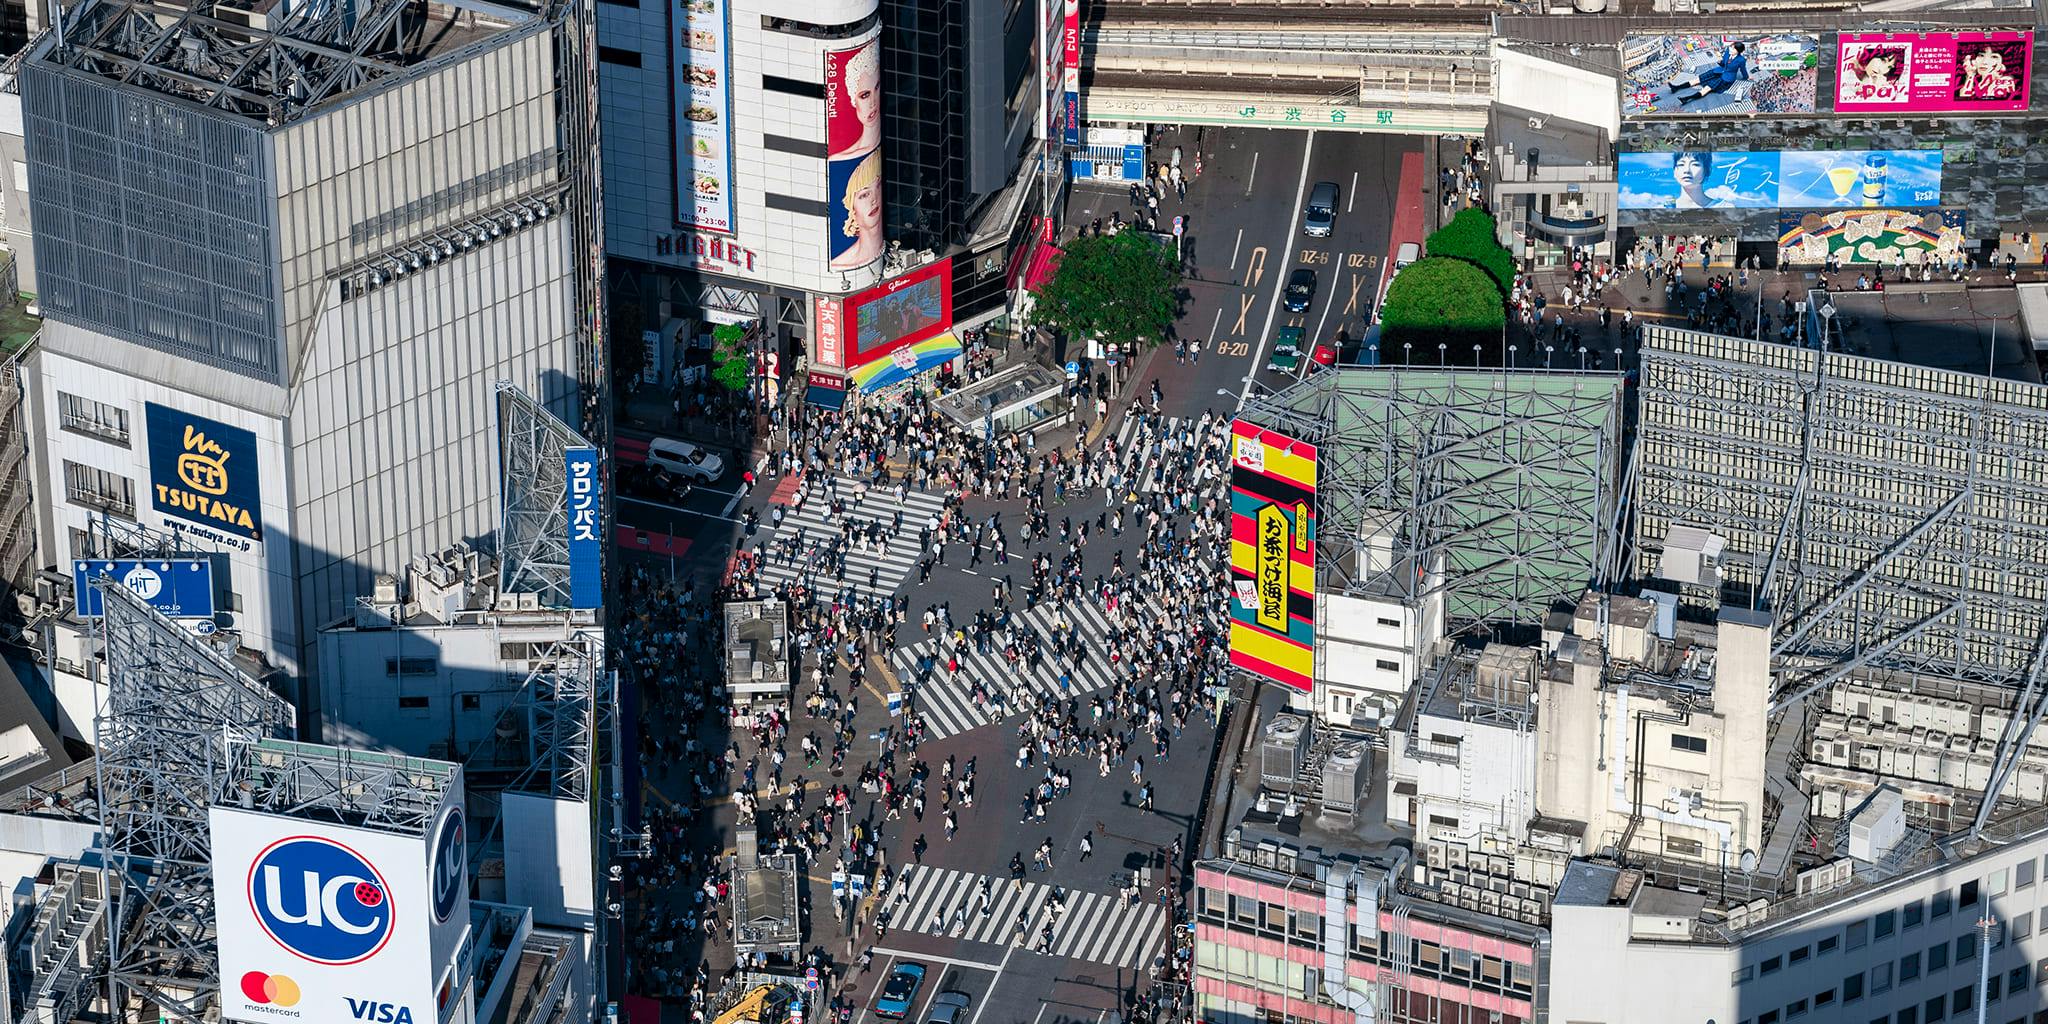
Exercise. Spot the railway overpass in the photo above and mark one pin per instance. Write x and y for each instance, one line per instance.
(1396, 68)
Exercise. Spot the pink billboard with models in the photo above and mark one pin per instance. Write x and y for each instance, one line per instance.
(1932, 72)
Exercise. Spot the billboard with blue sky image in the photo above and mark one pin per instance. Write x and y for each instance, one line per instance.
(1790, 179)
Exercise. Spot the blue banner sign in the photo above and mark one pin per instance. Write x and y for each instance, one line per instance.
(586, 545)
(181, 588)
(204, 471)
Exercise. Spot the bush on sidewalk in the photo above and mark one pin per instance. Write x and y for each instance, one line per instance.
(1441, 299)
(1470, 237)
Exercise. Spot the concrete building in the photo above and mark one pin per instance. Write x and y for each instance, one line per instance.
(275, 308)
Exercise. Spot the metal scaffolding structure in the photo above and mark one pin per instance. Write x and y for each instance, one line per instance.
(317, 51)
(1890, 515)
(356, 788)
(170, 717)
(548, 740)
(1496, 491)
(533, 531)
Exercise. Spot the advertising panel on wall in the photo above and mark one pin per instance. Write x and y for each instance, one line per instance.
(321, 922)
(1885, 237)
(900, 327)
(1272, 555)
(1070, 65)
(702, 62)
(180, 588)
(853, 156)
(204, 472)
(1793, 179)
(1719, 74)
(586, 544)
(1932, 72)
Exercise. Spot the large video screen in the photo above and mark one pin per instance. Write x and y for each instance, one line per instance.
(1932, 73)
(1709, 75)
(1792, 179)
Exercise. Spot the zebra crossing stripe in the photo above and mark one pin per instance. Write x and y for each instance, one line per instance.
(947, 703)
(1095, 927)
(811, 524)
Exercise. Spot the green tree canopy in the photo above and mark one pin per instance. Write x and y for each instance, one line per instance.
(1122, 288)
(729, 364)
(1469, 236)
(1440, 299)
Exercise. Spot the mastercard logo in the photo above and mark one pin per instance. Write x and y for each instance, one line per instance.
(270, 989)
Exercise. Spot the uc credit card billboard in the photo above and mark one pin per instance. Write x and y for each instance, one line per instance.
(1273, 555)
(1932, 73)
(322, 922)
(1792, 179)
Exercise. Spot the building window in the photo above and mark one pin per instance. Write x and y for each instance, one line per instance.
(1391, 623)
(471, 702)
(1695, 744)
(622, 57)
(1798, 956)
(1276, 917)
(1941, 904)
(1913, 914)
(1770, 965)
(1679, 846)
(96, 488)
(1797, 1009)
(1387, 666)
(1245, 909)
(95, 419)
(1858, 935)
(1821, 999)
(1852, 987)
(1966, 948)
(1881, 978)
(2041, 972)
(793, 87)
(1828, 944)
(1962, 999)
(1937, 957)
(2023, 874)
(1968, 897)
(1932, 1011)
(1767, 1017)
(1742, 974)
(1909, 1015)
(1443, 822)
(1991, 983)
(410, 666)
(412, 702)
(1909, 967)
(1307, 925)
(1885, 924)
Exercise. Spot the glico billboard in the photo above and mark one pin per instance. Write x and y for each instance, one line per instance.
(1273, 555)
(321, 922)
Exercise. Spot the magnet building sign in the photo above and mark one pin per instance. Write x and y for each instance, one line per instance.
(1272, 555)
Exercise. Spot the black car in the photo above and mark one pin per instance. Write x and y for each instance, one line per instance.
(1300, 290)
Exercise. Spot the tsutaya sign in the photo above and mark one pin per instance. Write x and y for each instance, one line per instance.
(1108, 105)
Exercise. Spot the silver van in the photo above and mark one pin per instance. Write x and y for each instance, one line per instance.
(1321, 213)
(1409, 253)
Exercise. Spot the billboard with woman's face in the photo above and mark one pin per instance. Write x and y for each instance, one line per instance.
(1932, 73)
(853, 156)
(1790, 179)
(1748, 73)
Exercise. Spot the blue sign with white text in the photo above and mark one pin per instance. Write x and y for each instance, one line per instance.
(586, 577)
(181, 588)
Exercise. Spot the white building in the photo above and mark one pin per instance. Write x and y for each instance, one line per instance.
(273, 322)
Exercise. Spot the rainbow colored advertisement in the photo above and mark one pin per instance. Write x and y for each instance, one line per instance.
(1932, 72)
(1273, 555)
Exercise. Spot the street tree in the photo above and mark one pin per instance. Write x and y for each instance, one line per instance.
(1442, 300)
(1470, 237)
(729, 364)
(1119, 288)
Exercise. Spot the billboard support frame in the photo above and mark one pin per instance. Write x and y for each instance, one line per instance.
(533, 528)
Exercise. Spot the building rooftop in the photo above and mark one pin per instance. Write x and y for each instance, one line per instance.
(272, 61)
(29, 748)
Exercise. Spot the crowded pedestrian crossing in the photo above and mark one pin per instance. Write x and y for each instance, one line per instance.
(868, 544)
(1140, 443)
(947, 701)
(1119, 930)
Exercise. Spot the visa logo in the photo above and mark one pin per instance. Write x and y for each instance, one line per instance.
(381, 1013)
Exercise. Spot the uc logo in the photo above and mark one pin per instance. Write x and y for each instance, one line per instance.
(320, 900)
(449, 874)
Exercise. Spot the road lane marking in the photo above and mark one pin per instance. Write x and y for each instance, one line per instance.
(975, 1018)
(1254, 175)
(977, 965)
(1234, 246)
(1266, 332)
(1351, 306)
(1352, 196)
(1244, 306)
(1218, 322)
(1255, 268)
